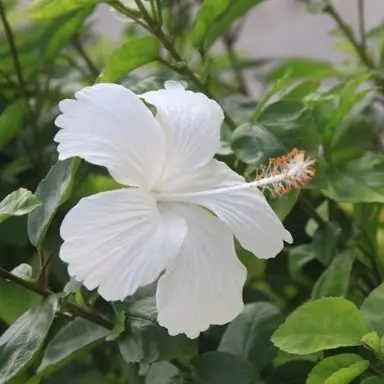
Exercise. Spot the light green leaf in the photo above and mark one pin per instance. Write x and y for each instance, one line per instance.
(284, 204)
(372, 309)
(248, 336)
(146, 341)
(215, 18)
(221, 368)
(132, 54)
(300, 68)
(47, 9)
(18, 203)
(15, 300)
(338, 369)
(76, 337)
(335, 279)
(21, 341)
(278, 86)
(118, 328)
(52, 192)
(11, 122)
(301, 90)
(338, 324)
(59, 32)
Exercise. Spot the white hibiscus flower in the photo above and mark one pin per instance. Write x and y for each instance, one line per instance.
(176, 219)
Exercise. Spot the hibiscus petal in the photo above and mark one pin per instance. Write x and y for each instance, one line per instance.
(204, 284)
(109, 125)
(246, 212)
(191, 122)
(119, 241)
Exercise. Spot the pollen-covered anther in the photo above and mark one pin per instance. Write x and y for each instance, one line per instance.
(285, 173)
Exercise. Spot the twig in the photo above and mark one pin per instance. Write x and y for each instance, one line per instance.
(308, 208)
(74, 309)
(151, 26)
(229, 42)
(79, 48)
(359, 48)
(361, 16)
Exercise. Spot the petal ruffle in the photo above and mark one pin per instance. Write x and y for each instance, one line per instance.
(191, 122)
(119, 241)
(204, 284)
(246, 212)
(109, 125)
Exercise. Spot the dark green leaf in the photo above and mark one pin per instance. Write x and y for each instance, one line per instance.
(18, 203)
(338, 324)
(47, 9)
(11, 122)
(52, 192)
(325, 240)
(132, 54)
(248, 336)
(77, 336)
(373, 380)
(298, 257)
(293, 372)
(372, 309)
(221, 368)
(338, 369)
(146, 341)
(163, 373)
(335, 280)
(21, 341)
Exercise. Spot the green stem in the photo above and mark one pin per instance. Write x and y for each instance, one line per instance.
(361, 15)
(80, 49)
(359, 47)
(74, 309)
(22, 85)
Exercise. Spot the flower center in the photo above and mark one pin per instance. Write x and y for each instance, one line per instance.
(280, 176)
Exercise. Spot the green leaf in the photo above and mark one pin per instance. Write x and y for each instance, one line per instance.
(292, 372)
(299, 68)
(248, 336)
(297, 259)
(284, 204)
(215, 18)
(119, 326)
(163, 373)
(18, 203)
(301, 90)
(357, 181)
(221, 368)
(338, 324)
(282, 126)
(373, 380)
(146, 341)
(21, 341)
(47, 9)
(325, 241)
(338, 369)
(335, 280)
(131, 54)
(372, 309)
(76, 337)
(278, 86)
(59, 32)
(11, 122)
(15, 300)
(52, 192)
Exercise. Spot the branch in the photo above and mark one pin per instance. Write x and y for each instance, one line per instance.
(93, 317)
(79, 48)
(359, 47)
(154, 28)
(361, 15)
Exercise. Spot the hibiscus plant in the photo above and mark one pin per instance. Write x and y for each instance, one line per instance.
(162, 222)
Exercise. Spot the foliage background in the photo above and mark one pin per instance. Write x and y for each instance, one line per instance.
(314, 314)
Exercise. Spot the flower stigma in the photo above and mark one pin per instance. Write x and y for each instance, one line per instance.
(280, 176)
